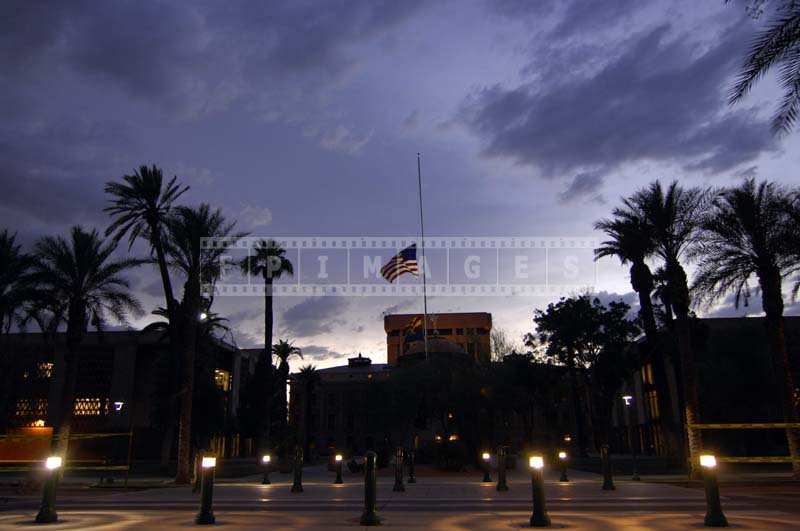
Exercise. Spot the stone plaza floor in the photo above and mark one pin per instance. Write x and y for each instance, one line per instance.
(435, 502)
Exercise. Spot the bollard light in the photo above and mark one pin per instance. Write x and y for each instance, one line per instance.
(47, 510)
(370, 515)
(502, 486)
(297, 468)
(539, 516)
(486, 456)
(605, 464)
(338, 459)
(205, 516)
(714, 515)
(266, 460)
(562, 458)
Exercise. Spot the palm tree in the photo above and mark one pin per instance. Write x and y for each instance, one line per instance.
(81, 273)
(283, 350)
(270, 262)
(776, 46)
(631, 242)
(199, 264)
(308, 378)
(140, 207)
(672, 216)
(745, 235)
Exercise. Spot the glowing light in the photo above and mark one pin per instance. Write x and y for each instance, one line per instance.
(708, 461)
(438, 438)
(567, 438)
(38, 423)
(536, 462)
(209, 462)
(453, 437)
(52, 462)
(562, 455)
(486, 456)
(203, 316)
(338, 458)
(628, 399)
(118, 406)
(266, 459)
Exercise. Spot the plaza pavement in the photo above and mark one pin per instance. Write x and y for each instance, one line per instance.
(435, 502)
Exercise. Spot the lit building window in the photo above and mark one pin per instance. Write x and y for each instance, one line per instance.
(90, 407)
(44, 369)
(31, 411)
(223, 379)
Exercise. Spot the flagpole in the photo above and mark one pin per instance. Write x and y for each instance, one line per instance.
(423, 263)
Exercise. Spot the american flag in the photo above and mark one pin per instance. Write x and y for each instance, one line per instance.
(404, 262)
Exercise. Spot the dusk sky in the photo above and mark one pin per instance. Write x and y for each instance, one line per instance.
(304, 119)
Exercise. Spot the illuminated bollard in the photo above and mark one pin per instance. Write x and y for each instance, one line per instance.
(485, 458)
(539, 517)
(206, 514)
(562, 459)
(501, 469)
(608, 478)
(411, 477)
(297, 468)
(266, 462)
(338, 460)
(370, 514)
(398, 471)
(714, 515)
(47, 511)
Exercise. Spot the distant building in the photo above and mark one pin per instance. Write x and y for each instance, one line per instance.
(332, 409)
(737, 383)
(120, 387)
(472, 331)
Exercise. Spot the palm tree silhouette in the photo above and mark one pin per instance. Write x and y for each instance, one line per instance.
(81, 273)
(745, 235)
(672, 216)
(140, 207)
(283, 350)
(198, 264)
(307, 377)
(776, 46)
(270, 262)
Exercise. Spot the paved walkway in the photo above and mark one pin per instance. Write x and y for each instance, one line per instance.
(438, 502)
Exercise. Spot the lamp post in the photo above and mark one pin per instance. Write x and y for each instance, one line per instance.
(485, 458)
(297, 468)
(605, 463)
(562, 459)
(628, 399)
(206, 514)
(398, 470)
(370, 514)
(539, 516)
(266, 460)
(338, 460)
(714, 515)
(47, 511)
(501, 469)
(412, 478)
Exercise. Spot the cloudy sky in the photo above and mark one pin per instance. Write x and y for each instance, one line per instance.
(304, 118)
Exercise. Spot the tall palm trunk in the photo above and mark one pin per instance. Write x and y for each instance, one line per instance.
(577, 407)
(773, 308)
(268, 316)
(679, 293)
(76, 325)
(642, 283)
(188, 347)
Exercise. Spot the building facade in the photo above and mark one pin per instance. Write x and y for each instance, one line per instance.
(472, 331)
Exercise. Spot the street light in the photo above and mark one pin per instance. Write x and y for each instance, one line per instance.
(486, 457)
(47, 511)
(539, 517)
(338, 459)
(628, 399)
(266, 461)
(206, 514)
(562, 458)
(714, 515)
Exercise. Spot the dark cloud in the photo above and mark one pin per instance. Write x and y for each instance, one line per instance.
(585, 185)
(314, 316)
(659, 99)
(319, 353)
